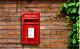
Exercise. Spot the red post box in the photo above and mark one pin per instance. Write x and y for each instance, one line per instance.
(30, 28)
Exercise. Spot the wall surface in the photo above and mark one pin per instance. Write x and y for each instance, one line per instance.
(53, 32)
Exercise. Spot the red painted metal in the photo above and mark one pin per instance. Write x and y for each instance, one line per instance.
(30, 20)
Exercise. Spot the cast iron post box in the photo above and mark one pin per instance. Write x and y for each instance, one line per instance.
(30, 28)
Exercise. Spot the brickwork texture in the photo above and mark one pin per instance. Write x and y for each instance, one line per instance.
(53, 32)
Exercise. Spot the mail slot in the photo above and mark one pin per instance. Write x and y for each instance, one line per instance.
(30, 28)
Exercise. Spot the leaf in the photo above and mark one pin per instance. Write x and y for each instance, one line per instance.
(79, 40)
(62, 5)
(69, 10)
(67, 17)
(66, 5)
(74, 41)
(78, 4)
(74, 27)
(70, 33)
(79, 11)
(74, 10)
(74, 36)
(72, 4)
(74, 17)
(77, 17)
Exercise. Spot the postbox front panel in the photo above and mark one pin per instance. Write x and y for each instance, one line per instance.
(30, 31)
(30, 35)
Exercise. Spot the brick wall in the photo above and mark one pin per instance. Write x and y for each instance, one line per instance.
(53, 32)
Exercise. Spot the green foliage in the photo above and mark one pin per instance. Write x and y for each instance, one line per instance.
(70, 33)
(74, 41)
(71, 9)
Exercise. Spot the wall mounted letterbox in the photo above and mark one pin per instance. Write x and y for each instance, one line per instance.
(30, 28)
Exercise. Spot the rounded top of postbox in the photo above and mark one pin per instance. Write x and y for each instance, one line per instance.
(31, 15)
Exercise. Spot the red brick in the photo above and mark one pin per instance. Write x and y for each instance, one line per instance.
(40, 48)
(53, 40)
(0, 45)
(44, 40)
(52, 23)
(52, 18)
(9, 23)
(9, 18)
(1, 14)
(29, 48)
(9, 45)
(10, 36)
(54, 27)
(14, 14)
(9, 9)
(41, 9)
(52, 45)
(4, 14)
(35, 5)
(54, 36)
(56, 32)
(51, 10)
(45, 31)
(64, 32)
(24, 10)
(1, 10)
(1, 5)
(9, 27)
(59, 40)
(48, 14)
(11, 32)
(10, 5)
(13, 36)
(55, 5)
(3, 41)
(14, 41)
(20, 9)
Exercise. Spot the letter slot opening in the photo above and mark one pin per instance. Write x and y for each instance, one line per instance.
(30, 20)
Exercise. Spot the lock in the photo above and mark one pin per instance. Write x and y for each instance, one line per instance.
(31, 28)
